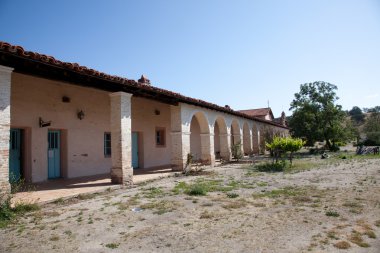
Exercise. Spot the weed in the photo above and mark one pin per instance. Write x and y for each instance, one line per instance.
(8, 214)
(112, 245)
(377, 223)
(232, 195)
(332, 213)
(197, 189)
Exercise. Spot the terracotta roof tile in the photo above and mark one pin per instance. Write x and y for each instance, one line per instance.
(33, 56)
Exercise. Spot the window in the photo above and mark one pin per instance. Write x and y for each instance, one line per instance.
(160, 136)
(107, 144)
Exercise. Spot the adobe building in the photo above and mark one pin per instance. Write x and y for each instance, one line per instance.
(62, 120)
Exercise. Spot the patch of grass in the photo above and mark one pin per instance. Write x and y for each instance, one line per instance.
(161, 207)
(197, 190)
(271, 167)
(332, 213)
(153, 192)
(112, 245)
(342, 245)
(288, 191)
(9, 214)
(201, 187)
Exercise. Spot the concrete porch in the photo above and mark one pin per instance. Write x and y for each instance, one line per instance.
(52, 190)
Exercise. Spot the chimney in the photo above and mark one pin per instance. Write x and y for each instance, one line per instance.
(144, 80)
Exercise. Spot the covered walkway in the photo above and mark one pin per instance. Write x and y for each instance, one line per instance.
(53, 190)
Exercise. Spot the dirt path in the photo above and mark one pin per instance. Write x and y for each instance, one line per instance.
(319, 210)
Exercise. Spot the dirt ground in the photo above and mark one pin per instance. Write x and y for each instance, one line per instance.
(323, 206)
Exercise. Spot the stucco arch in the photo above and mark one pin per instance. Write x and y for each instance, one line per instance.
(221, 146)
(247, 140)
(200, 139)
(255, 139)
(235, 132)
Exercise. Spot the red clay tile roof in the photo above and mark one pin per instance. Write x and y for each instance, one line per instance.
(19, 54)
(257, 112)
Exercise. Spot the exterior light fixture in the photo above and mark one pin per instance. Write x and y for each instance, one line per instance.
(80, 115)
(157, 112)
(44, 123)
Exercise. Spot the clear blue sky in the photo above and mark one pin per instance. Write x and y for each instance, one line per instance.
(240, 53)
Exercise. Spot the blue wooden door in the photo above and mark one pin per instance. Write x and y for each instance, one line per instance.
(15, 156)
(54, 153)
(135, 151)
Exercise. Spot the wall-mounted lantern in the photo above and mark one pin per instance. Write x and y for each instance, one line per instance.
(80, 115)
(157, 112)
(44, 123)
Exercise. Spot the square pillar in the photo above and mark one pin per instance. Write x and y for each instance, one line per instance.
(225, 147)
(5, 124)
(180, 140)
(207, 149)
(121, 135)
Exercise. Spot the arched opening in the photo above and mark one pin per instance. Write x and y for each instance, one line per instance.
(247, 141)
(221, 148)
(235, 133)
(200, 146)
(255, 139)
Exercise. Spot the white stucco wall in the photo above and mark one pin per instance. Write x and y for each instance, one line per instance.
(145, 121)
(34, 97)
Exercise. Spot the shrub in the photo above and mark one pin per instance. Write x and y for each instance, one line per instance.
(236, 151)
(282, 145)
(197, 190)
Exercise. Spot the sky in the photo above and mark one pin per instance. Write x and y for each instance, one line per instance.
(241, 53)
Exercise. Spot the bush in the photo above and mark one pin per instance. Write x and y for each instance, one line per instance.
(197, 190)
(283, 145)
(236, 151)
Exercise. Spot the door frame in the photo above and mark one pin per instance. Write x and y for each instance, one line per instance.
(20, 153)
(140, 148)
(60, 153)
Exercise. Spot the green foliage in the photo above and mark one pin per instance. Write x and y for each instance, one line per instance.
(236, 151)
(282, 145)
(332, 213)
(197, 190)
(356, 114)
(372, 129)
(316, 117)
(9, 213)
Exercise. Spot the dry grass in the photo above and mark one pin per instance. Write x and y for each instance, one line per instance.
(342, 245)
(357, 238)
